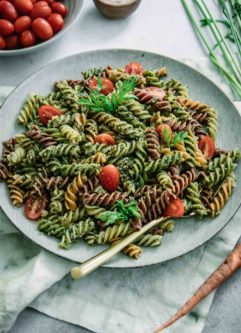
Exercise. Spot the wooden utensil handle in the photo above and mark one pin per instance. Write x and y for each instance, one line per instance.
(101, 258)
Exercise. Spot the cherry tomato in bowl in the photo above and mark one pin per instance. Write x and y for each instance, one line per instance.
(34, 208)
(12, 42)
(59, 8)
(44, 12)
(28, 38)
(8, 11)
(6, 27)
(207, 146)
(42, 29)
(23, 6)
(2, 43)
(109, 178)
(56, 21)
(47, 112)
(107, 85)
(175, 208)
(22, 23)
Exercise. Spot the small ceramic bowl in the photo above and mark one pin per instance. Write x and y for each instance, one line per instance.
(74, 10)
(116, 9)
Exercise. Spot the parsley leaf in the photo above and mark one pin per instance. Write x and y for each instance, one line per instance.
(98, 102)
(179, 137)
(167, 136)
(122, 214)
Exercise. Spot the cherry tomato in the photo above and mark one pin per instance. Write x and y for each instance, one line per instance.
(43, 12)
(22, 23)
(107, 85)
(161, 129)
(56, 21)
(6, 27)
(59, 8)
(40, 4)
(207, 146)
(28, 38)
(34, 208)
(42, 29)
(23, 6)
(134, 68)
(175, 208)
(50, 2)
(109, 178)
(2, 43)
(105, 138)
(8, 11)
(156, 92)
(12, 42)
(47, 112)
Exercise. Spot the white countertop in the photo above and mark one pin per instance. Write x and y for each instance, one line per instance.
(160, 26)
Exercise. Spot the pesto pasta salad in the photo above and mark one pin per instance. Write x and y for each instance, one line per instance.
(101, 156)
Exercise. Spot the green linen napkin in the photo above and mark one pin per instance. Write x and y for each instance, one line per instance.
(108, 300)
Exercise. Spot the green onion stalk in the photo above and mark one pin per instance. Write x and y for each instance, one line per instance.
(228, 63)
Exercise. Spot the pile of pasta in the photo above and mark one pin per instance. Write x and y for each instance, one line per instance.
(58, 161)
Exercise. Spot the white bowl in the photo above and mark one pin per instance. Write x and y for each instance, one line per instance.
(74, 10)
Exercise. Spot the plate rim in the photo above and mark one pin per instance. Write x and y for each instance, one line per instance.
(128, 263)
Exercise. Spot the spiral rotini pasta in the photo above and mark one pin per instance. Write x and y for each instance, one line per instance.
(159, 141)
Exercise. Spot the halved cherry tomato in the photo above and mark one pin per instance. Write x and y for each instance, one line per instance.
(107, 85)
(175, 208)
(156, 92)
(2, 43)
(105, 138)
(34, 208)
(8, 11)
(23, 6)
(47, 112)
(161, 131)
(134, 68)
(12, 42)
(207, 146)
(59, 8)
(22, 23)
(42, 29)
(28, 38)
(109, 178)
(56, 21)
(6, 27)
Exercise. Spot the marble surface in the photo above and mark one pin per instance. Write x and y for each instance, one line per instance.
(158, 26)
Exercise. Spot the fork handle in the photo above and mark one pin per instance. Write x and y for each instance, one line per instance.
(101, 258)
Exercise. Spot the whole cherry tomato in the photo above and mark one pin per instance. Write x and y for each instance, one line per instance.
(42, 29)
(43, 12)
(162, 131)
(59, 8)
(22, 23)
(28, 38)
(134, 68)
(23, 6)
(50, 2)
(2, 43)
(109, 178)
(6, 27)
(12, 42)
(56, 21)
(40, 4)
(47, 112)
(207, 146)
(175, 208)
(105, 138)
(8, 11)
(34, 208)
(107, 85)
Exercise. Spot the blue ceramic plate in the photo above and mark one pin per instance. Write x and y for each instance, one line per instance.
(188, 233)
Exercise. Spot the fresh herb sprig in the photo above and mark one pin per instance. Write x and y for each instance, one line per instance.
(178, 137)
(98, 102)
(122, 213)
(227, 61)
